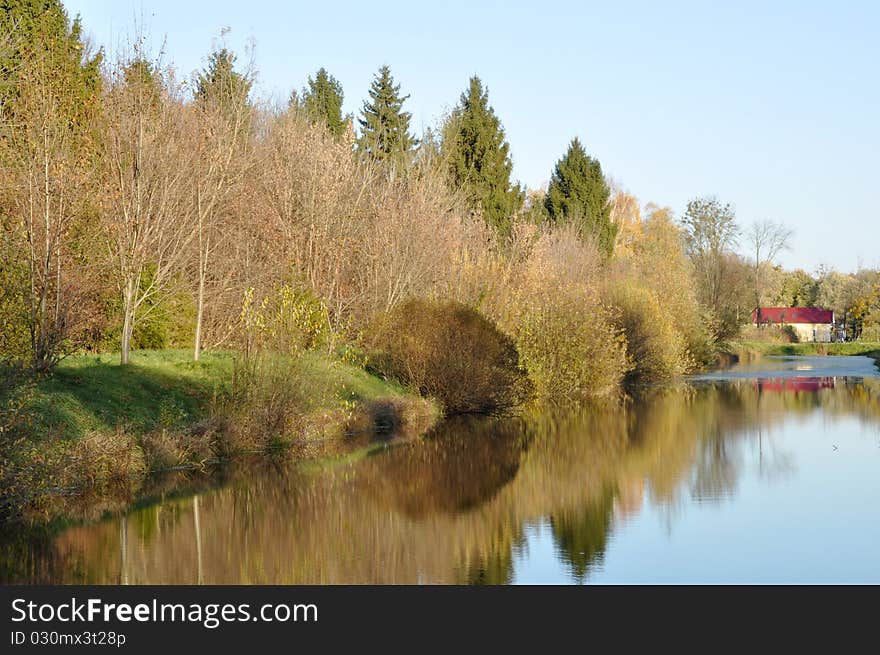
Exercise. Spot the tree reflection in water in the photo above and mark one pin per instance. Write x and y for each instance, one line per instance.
(455, 506)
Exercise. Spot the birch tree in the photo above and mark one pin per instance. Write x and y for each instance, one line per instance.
(147, 219)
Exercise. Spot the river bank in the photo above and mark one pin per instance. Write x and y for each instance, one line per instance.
(738, 350)
(92, 434)
(722, 481)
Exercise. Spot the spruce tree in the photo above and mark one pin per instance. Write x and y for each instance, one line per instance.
(384, 125)
(479, 158)
(41, 29)
(322, 102)
(220, 82)
(579, 194)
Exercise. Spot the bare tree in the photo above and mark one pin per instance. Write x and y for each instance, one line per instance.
(221, 126)
(147, 219)
(766, 240)
(46, 171)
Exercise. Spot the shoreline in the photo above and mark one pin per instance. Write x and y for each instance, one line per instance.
(755, 349)
(95, 436)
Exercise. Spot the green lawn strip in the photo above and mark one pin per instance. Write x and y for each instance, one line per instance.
(165, 388)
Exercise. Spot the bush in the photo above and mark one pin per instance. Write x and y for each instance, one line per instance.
(870, 333)
(262, 410)
(290, 319)
(450, 352)
(769, 334)
(654, 346)
(564, 334)
(569, 346)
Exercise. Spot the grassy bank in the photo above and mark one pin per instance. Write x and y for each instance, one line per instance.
(94, 431)
(758, 348)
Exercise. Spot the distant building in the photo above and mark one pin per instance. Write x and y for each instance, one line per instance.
(808, 323)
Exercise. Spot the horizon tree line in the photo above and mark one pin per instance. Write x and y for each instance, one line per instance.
(177, 164)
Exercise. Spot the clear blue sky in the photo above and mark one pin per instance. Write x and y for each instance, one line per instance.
(773, 107)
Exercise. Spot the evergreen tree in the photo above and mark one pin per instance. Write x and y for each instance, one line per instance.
(579, 194)
(322, 102)
(220, 82)
(384, 125)
(479, 158)
(50, 99)
(41, 29)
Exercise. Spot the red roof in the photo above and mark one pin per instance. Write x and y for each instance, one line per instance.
(795, 384)
(793, 315)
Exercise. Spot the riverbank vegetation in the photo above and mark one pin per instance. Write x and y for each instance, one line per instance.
(143, 211)
(98, 429)
(461, 506)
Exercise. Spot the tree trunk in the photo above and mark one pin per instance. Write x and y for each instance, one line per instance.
(127, 320)
(200, 305)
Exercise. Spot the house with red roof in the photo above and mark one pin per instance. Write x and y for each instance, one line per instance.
(809, 323)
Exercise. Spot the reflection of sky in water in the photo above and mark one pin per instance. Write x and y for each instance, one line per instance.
(814, 518)
(850, 366)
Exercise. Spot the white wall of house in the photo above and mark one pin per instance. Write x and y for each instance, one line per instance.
(812, 331)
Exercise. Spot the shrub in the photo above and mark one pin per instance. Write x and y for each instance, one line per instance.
(654, 346)
(569, 345)
(563, 332)
(450, 352)
(870, 333)
(261, 411)
(769, 334)
(101, 461)
(290, 320)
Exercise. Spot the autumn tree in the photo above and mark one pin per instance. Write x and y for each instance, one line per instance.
(711, 231)
(50, 107)
(626, 215)
(797, 289)
(766, 239)
(385, 135)
(220, 130)
(479, 161)
(148, 222)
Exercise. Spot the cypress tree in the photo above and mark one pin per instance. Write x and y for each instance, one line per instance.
(479, 158)
(322, 102)
(384, 125)
(579, 194)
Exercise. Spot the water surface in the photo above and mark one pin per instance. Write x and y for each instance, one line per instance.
(765, 472)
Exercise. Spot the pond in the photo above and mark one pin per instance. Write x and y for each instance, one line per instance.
(767, 472)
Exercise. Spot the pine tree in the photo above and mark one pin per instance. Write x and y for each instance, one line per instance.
(384, 125)
(220, 82)
(579, 194)
(322, 102)
(479, 158)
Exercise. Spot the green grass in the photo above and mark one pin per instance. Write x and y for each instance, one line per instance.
(332, 382)
(98, 429)
(166, 389)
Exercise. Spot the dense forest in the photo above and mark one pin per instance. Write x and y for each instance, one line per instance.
(144, 210)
